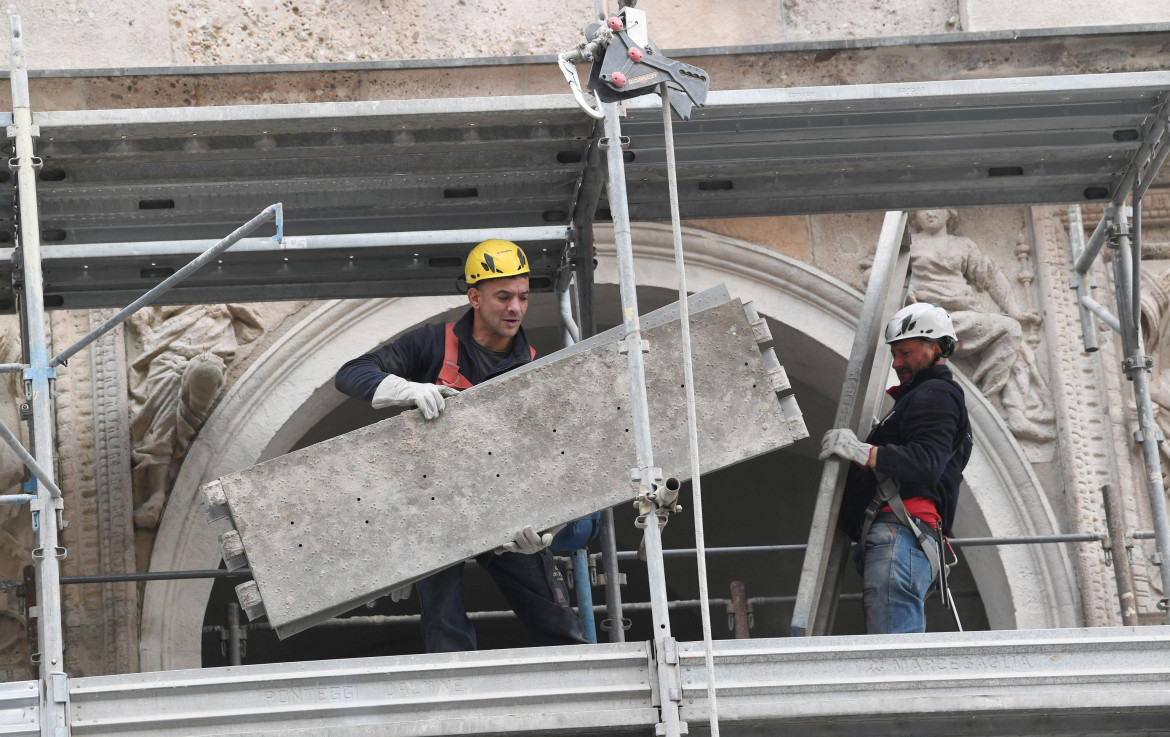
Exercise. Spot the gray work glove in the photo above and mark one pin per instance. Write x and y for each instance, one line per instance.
(529, 541)
(842, 442)
(402, 593)
(395, 391)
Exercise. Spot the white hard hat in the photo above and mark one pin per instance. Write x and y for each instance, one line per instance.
(926, 321)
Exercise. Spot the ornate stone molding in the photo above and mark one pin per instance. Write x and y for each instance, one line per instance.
(100, 620)
(112, 485)
(1084, 396)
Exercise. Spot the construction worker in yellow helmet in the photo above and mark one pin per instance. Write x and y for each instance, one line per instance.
(422, 368)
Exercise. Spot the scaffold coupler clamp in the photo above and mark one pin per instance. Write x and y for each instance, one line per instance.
(1118, 226)
(1132, 364)
(626, 64)
(648, 481)
(659, 496)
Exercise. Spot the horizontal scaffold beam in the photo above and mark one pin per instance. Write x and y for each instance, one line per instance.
(1056, 683)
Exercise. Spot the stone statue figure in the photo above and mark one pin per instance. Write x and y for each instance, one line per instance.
(951, 271)
(1155, 325)
(15, 530)
(185, 353)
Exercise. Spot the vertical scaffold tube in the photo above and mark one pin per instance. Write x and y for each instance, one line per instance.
(1137, 367)
(46, 508)
(666, 650)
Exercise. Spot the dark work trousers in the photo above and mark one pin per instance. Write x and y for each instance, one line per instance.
(532, 585)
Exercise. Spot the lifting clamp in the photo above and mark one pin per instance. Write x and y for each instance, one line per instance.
(633, 65)
(626, 64)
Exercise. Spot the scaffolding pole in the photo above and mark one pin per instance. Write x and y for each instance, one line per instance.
(1125, 249)
(648, 478)
(1137, 367)
(46, 509)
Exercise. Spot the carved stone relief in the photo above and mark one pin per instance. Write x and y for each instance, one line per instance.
(1090, 406)
(15, 529)
(181, 358)
(998, 331)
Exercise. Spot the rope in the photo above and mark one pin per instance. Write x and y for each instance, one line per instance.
(692, 422)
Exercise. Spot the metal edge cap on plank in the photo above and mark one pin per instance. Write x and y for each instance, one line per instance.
(250, 600)
(214, 501)
(760, 329)
(231, 545)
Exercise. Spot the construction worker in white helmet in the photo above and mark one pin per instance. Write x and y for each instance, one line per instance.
(903, 484)
(424, 367)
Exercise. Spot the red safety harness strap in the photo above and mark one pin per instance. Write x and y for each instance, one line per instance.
(449, 375)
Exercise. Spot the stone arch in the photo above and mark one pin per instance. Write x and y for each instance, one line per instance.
(289, 389)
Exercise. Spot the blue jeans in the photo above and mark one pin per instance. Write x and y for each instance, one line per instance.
(532, 585)
(896, 578)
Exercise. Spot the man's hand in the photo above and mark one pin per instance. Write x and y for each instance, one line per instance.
(843, 443)
(395, 391)
(402, 593)
(529, 541)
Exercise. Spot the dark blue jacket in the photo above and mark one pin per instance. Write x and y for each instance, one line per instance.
(925, 442)
(418, 356)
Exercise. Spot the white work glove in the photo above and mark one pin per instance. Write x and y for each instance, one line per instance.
(843, 443)
(395, 391)
(529, 541)
(401, 593)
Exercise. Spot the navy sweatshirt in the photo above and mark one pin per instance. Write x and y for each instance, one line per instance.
(925, 442)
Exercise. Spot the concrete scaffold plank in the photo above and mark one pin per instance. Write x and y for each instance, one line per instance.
(345, 521)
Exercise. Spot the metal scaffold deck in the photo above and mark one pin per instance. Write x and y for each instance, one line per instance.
(380, 199)
(385, 197)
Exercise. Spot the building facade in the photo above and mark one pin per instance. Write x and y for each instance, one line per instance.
(184, 394)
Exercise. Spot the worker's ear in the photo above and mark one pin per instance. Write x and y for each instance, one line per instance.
(474, 296)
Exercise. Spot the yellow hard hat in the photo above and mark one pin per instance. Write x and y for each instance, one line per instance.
(493, 259)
